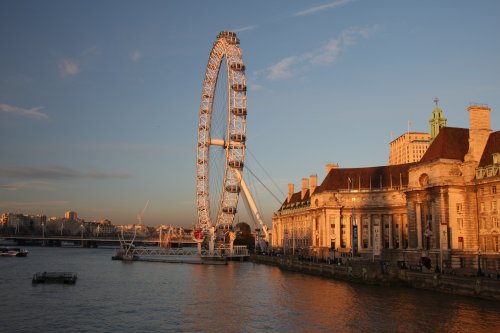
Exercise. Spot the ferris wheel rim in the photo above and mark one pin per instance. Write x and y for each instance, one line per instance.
(225, 47)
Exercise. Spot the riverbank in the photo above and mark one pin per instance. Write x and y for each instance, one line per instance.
(382, 273)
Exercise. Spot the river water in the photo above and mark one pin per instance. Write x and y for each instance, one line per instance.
(115, 296)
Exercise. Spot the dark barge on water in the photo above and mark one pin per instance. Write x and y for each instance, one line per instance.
(54, 277)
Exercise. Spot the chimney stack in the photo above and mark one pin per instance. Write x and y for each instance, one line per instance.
(331, 166)
(290, 191)
(479, 131)
(313, 183)
(305, 187)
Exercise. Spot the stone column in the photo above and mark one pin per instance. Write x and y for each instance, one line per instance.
(382, 231)
(326, 227)
(370, 241)
(400, 231)
(434, 226)
(377, 220)
(348, 226)
(337, 232)
(314, 232)
(418, 214)
(391, 240)
(360, 231)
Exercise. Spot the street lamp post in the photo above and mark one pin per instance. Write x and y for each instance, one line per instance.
(81, 227)
(354, 229)
(479, 271)
(43, 234)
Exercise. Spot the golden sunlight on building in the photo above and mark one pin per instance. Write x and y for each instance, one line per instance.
(441, 210)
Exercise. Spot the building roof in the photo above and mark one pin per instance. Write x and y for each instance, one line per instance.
(492, 146)
(451, 143)
(297, 198)
(377, 177)
(411, 134)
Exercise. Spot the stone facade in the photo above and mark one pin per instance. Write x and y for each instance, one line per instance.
(441, 212)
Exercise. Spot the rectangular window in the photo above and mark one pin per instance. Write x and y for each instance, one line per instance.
(494, 219)
(459, 208)
(481, 207)
(460, 223)
(494, 205)
(493, 189)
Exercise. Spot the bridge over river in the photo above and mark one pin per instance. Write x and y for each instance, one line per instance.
(91, 241)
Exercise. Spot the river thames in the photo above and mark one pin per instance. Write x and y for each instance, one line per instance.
(114, 296)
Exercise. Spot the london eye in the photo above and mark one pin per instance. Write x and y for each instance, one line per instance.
(221, 134)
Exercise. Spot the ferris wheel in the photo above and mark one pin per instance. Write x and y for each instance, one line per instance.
(220, 154)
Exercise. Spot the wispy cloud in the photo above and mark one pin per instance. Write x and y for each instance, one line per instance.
(293, 65)
(68, 67)
(332, 49)
(135, 55)
(33, 203)
(127, 147)
(28, 185)
(34, 112)
(283, 68)
(56, 172)
(320, 8)
(248, 27)
(256, 87)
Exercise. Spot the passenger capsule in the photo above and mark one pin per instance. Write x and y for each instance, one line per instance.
(237, 137)
(239, 111)
(235, 164)
(233, 40)
(237, 66)
(229, 210)
(226, 34)
(239, 87)
(233, 189)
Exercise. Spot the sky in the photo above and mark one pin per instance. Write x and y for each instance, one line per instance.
(99, 100)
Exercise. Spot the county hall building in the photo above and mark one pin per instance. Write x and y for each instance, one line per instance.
(441, 211)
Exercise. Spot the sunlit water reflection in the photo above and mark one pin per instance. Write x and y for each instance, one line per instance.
(240, 297)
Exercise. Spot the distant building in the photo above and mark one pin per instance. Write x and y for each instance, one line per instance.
(408, 148)
(71, 216)
(411, 146)
(18, 220)
(443, 208)
(102, 228)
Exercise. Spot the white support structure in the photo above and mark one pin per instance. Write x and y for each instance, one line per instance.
(251, 202)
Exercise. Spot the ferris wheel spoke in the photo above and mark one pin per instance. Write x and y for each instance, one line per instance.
(218, 142)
